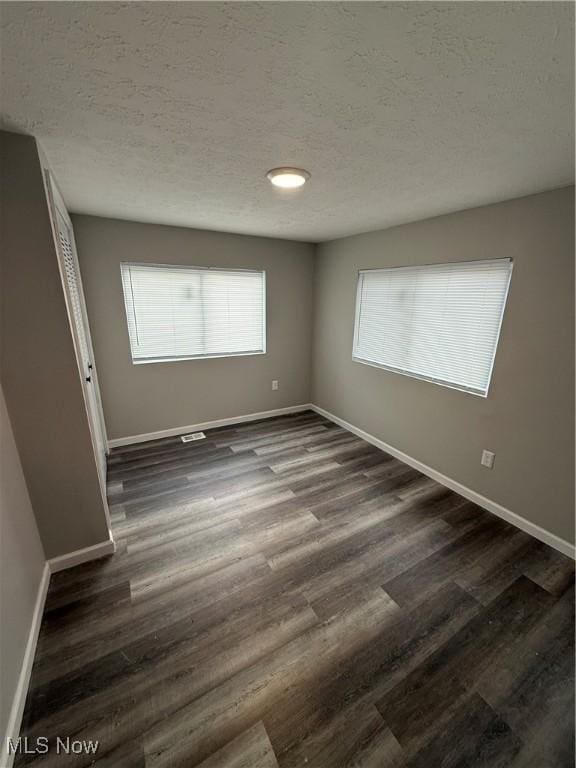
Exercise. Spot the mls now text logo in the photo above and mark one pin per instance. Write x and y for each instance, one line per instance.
(42, 745)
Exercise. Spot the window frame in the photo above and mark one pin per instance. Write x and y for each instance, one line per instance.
(181, 358)
(421, 377)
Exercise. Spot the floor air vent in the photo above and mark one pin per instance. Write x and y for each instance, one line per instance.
(192, 436)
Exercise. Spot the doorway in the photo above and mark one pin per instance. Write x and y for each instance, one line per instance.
(72, 282)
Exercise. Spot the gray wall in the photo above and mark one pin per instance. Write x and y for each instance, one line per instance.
(145, 398)
(21, 567)
(39, 372)
(528, 416)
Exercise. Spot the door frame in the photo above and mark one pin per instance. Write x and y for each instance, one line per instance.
(57, 206)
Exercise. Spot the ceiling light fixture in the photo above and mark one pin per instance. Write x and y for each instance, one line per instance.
(288, 178)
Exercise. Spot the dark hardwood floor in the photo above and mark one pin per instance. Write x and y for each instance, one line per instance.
(284, 594)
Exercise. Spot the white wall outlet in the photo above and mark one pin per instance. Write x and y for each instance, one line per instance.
(487, 459)
(275, 384)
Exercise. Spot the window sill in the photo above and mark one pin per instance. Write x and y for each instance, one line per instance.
(147, 360)
(446, 384)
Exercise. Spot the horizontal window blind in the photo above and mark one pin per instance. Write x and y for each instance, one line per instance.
(183, 312)
(439, 322)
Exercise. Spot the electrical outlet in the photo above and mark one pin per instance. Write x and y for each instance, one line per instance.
(275, 384)
(487, 459)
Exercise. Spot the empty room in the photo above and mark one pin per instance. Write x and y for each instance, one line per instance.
(287, 368)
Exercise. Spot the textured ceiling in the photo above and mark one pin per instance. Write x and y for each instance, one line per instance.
(173, 112)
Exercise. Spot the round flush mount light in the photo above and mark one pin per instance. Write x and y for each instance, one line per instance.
(288, 178)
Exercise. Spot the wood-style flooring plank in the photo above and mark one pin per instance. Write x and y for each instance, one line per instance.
(251, 749)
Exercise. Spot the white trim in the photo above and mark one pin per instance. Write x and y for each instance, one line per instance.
(125, 267)
(96, 423)
(419, 377)
(80, 556)
(492, 506)
(175, 431)
(19, 700)
(147, 360)
(411, 373)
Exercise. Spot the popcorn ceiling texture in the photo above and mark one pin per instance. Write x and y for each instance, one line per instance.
(173, 112)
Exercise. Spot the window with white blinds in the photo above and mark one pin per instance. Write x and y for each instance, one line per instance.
(439, 322)
(179, 313)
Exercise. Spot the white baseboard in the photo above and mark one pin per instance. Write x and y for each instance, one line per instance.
(80, 556)
(50, 566)
(175, 431)
(497, 509)
(19, 700)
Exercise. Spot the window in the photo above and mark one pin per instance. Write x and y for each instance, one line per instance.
(439, 322)
(177, 313)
